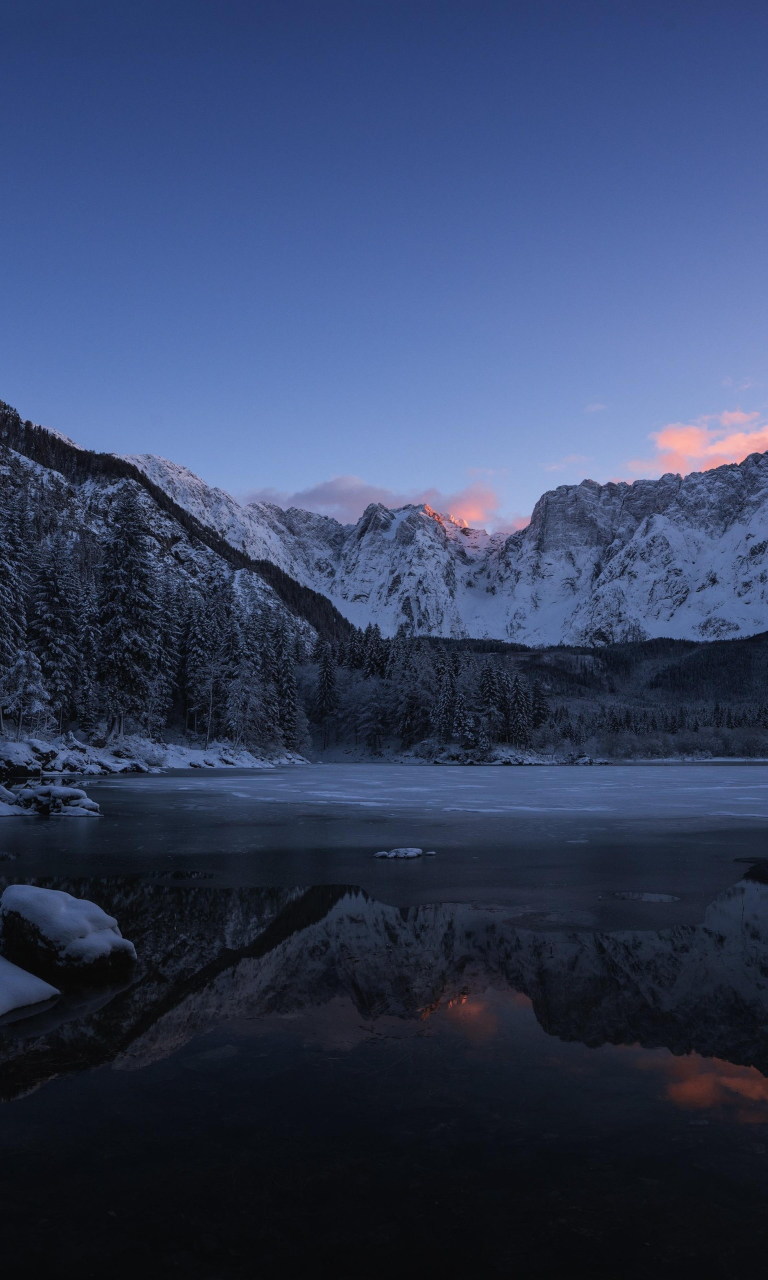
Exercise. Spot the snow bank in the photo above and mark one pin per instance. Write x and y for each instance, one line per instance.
(127, 755)
(50, 925)
(19, 988)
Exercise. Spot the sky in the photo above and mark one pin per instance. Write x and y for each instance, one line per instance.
(340, 251)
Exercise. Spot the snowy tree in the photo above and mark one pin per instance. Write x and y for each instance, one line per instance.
(519, 715)
(443, 711)
(488, 699)
(166, 677)
(326, 699)
(86, 695)
(371, 726)
(53, 628)
(462, 722)
(22, 691)
(12, 590)
(539, 706)
(287, 691)
(127, 616)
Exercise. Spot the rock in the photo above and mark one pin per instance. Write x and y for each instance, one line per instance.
(56, 800)
(50, 929)
(400, 853)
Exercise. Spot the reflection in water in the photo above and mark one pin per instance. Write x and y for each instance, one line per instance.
(209, 956)
(308, 1081)
(701, 1084)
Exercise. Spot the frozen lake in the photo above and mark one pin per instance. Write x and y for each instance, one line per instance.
(543, 1049)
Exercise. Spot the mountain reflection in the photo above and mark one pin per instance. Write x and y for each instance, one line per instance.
(213, 955)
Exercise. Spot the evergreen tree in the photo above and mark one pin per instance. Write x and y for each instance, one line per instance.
(166, 677)
(287, 690)
(462, 722)
(86, 694)
(22, 692)
(371, 720)
(53, 629)
(409, 717)
(539, 706)
(12, 591)
(327, 699)
(442, 716)
(127, 616)
(519, 715)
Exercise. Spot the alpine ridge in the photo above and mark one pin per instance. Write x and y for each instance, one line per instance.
(680, 557)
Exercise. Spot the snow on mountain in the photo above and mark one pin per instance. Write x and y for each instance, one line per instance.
(89, 505)
(681, 556)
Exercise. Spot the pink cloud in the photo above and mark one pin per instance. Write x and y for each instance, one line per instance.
(346, 497)
(697, 446)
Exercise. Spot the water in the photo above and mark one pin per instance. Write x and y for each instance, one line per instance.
(542, 1052)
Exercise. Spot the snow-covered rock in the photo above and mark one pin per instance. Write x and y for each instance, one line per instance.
(681, 556)
(403, 853)
(50, 926)
(59, 801)
(19, 988)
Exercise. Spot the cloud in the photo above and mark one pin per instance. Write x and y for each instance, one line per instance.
(346, 497)
(570, 460)
(700, 445)
(595, 407)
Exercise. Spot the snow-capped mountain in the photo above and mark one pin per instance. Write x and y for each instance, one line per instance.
(681, 556)
(684, 557)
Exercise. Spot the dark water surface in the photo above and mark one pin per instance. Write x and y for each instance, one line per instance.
(542, 1052)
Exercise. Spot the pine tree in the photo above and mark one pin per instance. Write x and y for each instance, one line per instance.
(371, 720)
(462, 722)
(409, 717)
(22, 691)
(12, 591)
(287, 691)
(53, 629)
(442, 716)
(519, 715)
(327, 699)
(86, 694)
(127, 616)
(539, 706)
(166, 677)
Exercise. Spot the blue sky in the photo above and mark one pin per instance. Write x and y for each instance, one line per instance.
(457, 250)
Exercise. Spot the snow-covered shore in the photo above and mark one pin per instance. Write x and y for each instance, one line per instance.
(67, 754)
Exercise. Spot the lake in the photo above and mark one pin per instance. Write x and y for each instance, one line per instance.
(543, 1051)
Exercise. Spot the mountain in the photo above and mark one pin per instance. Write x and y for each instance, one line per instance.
(683, 557)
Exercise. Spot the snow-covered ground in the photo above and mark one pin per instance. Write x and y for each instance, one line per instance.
(132, 754)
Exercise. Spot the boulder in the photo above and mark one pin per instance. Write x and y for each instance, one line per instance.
(56, 800)
(50, 930)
